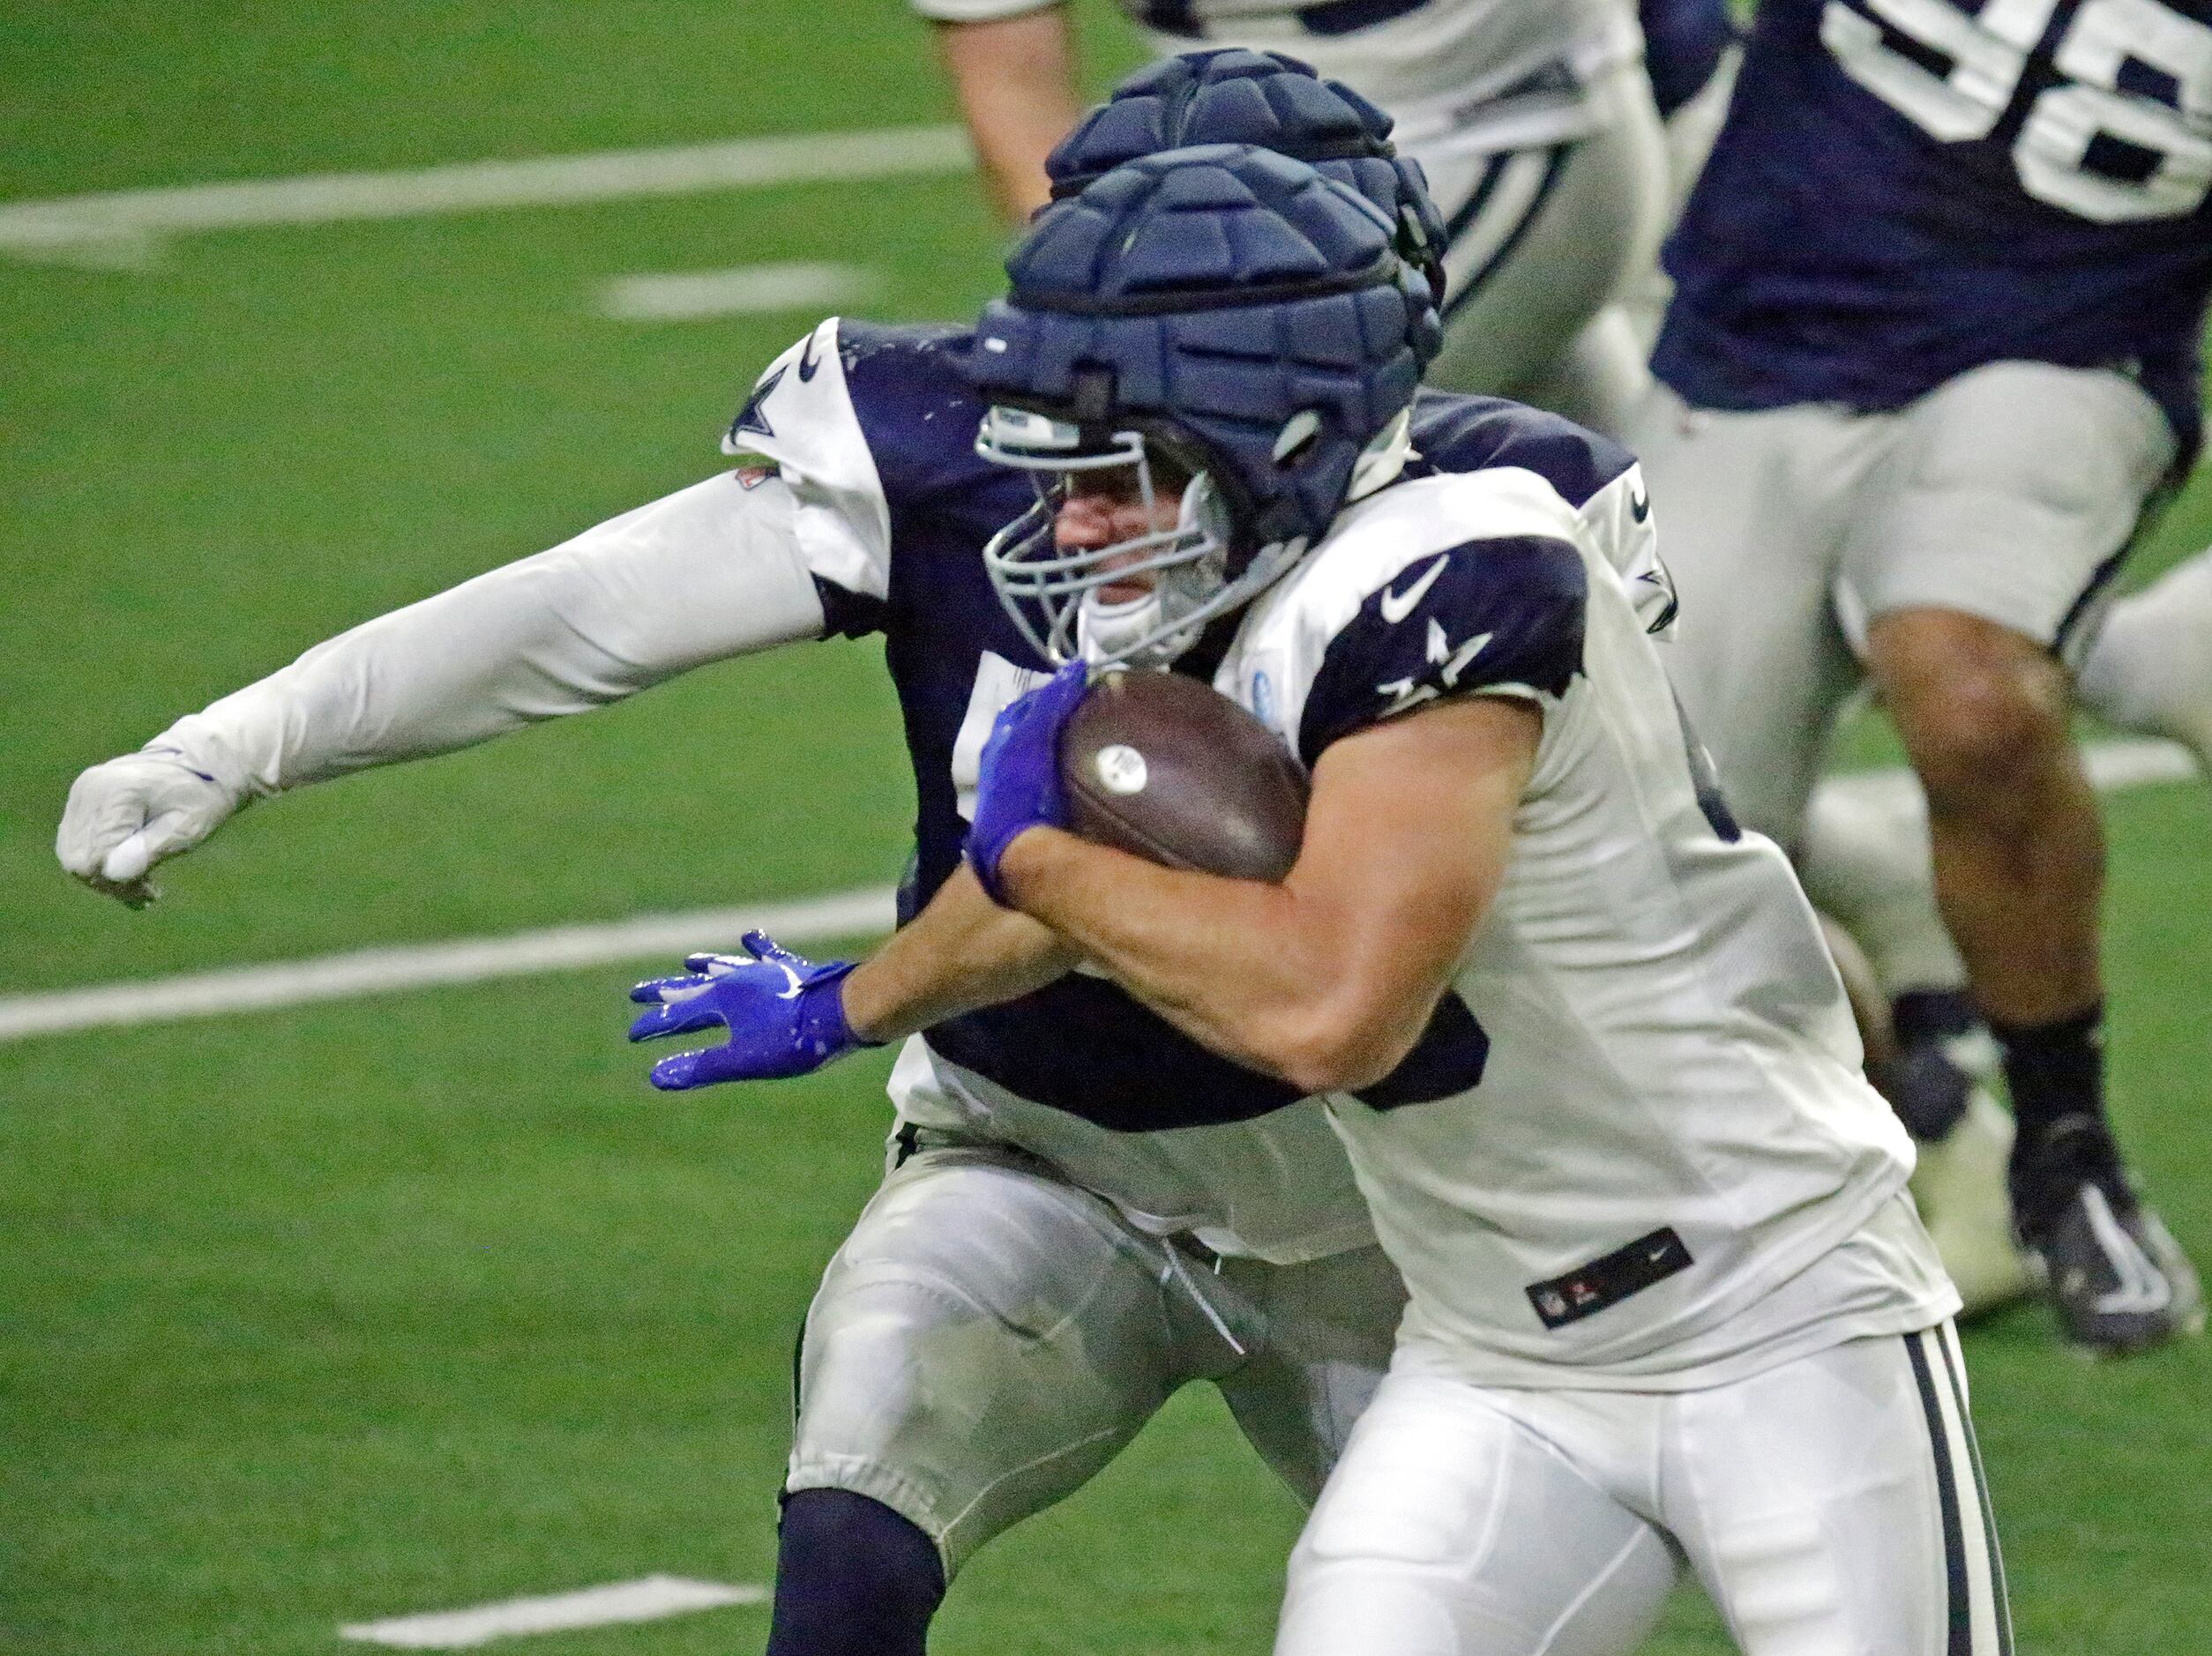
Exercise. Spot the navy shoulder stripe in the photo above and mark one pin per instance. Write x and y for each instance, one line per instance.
(1454, 432)
(1477, 615)
(910, 391)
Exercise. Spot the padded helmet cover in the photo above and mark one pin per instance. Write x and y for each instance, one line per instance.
(1238, 308)
(1233, 95)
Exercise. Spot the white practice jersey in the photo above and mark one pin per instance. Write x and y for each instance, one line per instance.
(1457, 74)
(1657, 1120)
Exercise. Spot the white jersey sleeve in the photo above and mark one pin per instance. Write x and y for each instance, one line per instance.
(1403, 614)
(713, 571)
(1620, 521)
(800, 416)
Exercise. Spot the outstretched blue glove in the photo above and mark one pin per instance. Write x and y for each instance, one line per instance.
(786, 1015)
(1019, 787)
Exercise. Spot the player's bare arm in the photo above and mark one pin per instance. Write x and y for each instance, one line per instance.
(1328, 978)
(1015, 79)
(961, 953)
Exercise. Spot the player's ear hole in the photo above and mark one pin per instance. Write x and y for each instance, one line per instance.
(1294, 442)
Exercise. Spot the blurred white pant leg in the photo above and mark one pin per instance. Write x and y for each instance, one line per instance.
(1752, 511)
(1863, 858)
(1625, 330)
(2149, 669)
(1540, 240)
(1833, 1506)
(1450, 1528)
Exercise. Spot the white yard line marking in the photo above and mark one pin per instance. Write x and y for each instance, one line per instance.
(2112, 764)
(747, 290)
(646, 1599)
(106, 225)
(463, 960)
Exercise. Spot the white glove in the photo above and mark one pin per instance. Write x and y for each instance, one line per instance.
(127, 815)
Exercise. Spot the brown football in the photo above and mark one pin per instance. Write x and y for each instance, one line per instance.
(1167, 769)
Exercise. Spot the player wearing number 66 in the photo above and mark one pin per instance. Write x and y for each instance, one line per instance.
(1933, 350)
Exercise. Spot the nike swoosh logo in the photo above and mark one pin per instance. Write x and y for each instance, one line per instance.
(2139, 1288)
(809, 363)
(798, 982)
(1397, 606)
(178, 755)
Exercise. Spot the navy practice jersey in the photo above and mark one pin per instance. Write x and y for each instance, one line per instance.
(1685, 41)
(1909, 189)
(889, 434)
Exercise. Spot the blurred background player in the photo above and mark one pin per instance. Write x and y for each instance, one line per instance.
(1864, 855)
(1932, 349)
(1533, 119)
(1691, 51)
(1865, 859)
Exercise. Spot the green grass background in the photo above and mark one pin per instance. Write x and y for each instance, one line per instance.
(353, 1310)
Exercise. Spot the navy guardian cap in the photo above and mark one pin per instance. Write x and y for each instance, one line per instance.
(1233, 95)
(1224, 306)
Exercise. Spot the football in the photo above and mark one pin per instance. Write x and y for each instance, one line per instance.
(1167, 769)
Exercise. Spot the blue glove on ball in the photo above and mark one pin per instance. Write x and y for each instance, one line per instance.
(1019, 787)
(785, 1014)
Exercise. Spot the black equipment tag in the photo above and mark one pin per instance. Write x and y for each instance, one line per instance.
(1592, 1287)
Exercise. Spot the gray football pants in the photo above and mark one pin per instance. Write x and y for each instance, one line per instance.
(990, 1336)
(2011, 493)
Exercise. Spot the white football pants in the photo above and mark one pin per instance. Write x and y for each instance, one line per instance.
(1830, 1506)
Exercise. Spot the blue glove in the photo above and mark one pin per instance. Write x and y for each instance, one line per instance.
(786, 1015)
(1019, 787)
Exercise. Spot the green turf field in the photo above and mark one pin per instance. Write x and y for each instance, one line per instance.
(319, 1315)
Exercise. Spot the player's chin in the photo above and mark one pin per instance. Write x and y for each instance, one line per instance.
(1116, 594)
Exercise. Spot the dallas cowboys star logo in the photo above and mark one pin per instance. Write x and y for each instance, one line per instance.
(752, 418)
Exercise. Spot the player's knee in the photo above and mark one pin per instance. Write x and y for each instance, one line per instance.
(1983, 711)
(1989, 741)
(853, 1578)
